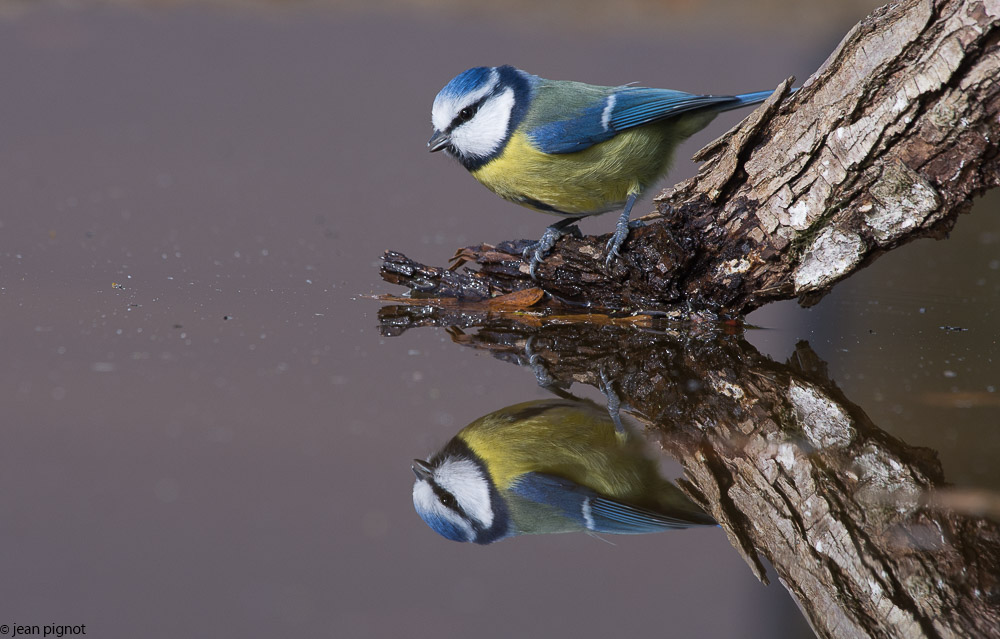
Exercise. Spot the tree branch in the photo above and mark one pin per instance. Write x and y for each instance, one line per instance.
(888, 141)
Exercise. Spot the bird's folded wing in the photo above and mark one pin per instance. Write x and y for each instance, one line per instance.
(591, 510)
(623, 109)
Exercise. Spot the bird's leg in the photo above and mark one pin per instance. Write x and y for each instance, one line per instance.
(537, 364)
(614, 403)
(537, 251)
(621, 231)
(542, 375)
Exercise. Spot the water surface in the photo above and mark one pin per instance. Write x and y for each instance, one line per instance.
(205, 432)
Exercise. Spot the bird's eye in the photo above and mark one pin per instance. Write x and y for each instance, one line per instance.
(449, 500)
(466, 114)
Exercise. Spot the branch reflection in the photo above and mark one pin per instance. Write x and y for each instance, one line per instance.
(860, 526)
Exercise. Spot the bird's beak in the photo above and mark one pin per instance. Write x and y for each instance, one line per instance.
(422, 469)
(438, 141)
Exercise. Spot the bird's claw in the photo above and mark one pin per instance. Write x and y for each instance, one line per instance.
(621, 233)
(536, 253)
(611, 250)
(617, 240)
(533, 255)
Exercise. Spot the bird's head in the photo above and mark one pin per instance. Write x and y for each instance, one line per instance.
(454, 495)
(475, 114)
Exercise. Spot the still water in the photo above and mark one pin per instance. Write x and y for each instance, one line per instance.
(209, 427)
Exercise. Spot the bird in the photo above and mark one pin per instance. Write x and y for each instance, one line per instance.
(547, 466)
(567, 148)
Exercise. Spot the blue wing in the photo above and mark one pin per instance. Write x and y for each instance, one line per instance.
(625, 108)
(592, 511)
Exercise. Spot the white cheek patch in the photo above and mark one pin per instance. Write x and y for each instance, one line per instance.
(443, 112)
(463, 479)
(447, 107)
(482, 136)
(428, 505)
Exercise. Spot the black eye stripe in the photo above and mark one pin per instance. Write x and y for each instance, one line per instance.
(446, 498)
(467, 113)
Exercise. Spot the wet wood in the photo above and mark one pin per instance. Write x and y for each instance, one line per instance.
(890, 140)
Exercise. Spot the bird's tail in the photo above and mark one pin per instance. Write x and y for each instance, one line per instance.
(745, 99)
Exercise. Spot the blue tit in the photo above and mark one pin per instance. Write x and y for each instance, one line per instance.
(547, 466)
(567, 148)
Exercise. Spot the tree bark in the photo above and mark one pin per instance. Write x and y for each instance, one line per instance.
(890, 140)
(860, 527)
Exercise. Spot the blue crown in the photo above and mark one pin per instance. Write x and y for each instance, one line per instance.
(467, 81)
(443, 527)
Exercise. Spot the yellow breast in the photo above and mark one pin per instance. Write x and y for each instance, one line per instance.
(575, 441)
(595, 180)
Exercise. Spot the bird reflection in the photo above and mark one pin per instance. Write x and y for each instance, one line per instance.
(547, 466)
